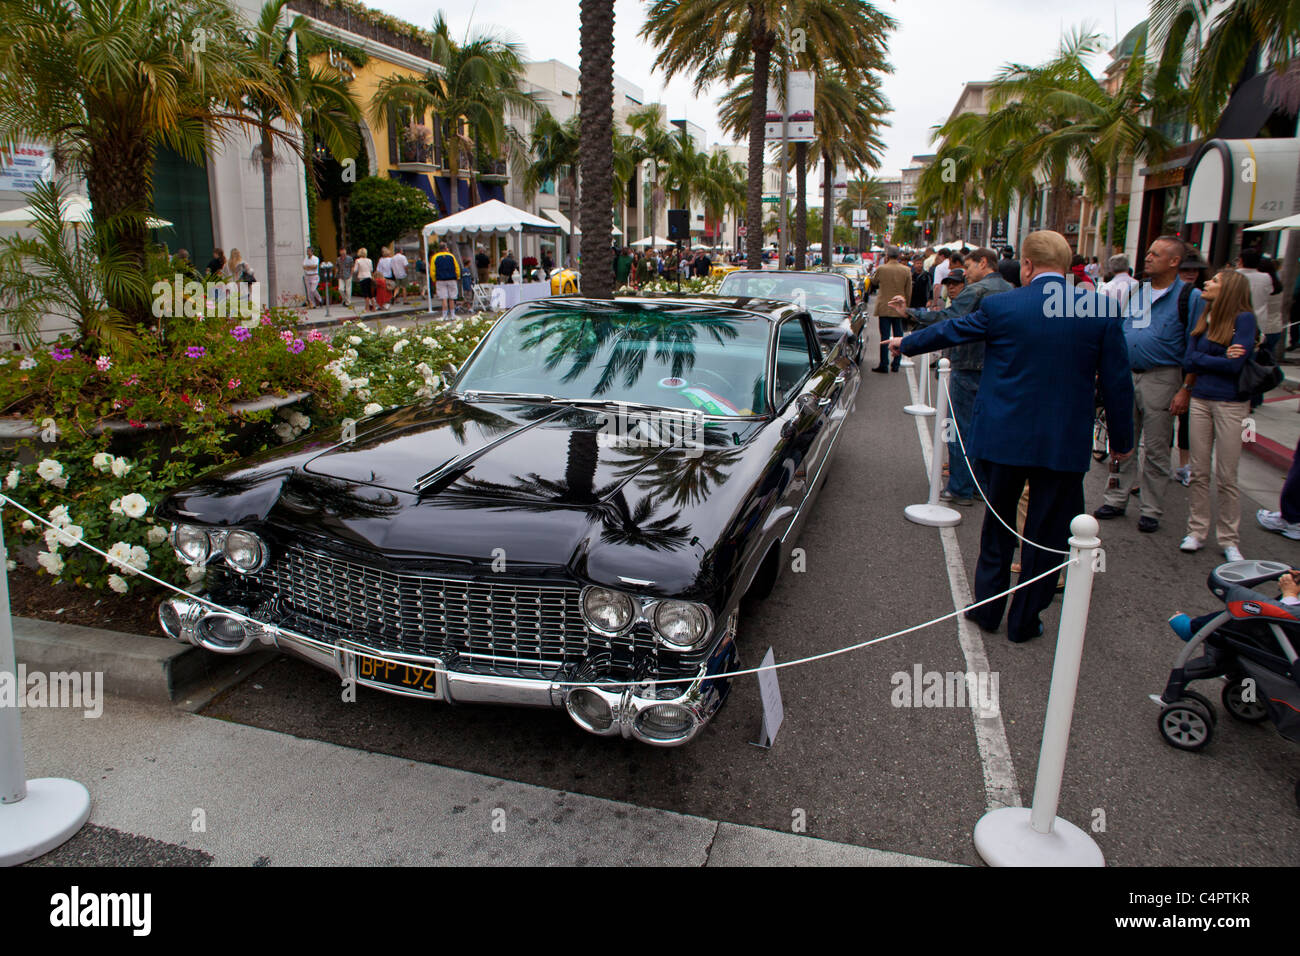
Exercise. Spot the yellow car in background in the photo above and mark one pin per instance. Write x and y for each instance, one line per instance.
(565, 282)
(856, 274)
(720, 269)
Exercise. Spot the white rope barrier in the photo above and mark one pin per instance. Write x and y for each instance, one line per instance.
(276, 629)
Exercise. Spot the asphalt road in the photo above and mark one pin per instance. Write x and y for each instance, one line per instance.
(847, 762)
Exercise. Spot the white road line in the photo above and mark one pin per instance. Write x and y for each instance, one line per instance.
(1000, 787)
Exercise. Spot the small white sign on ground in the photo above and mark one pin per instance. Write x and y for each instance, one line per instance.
(769, 692)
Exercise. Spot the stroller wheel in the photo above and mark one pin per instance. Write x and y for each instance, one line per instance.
(1186, 724)
(1250, 711)
(1204, 701)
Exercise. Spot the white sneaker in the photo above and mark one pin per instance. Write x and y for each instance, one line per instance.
(1233, 553)
(1190, 543)
(1273, 521)
(1183, 475)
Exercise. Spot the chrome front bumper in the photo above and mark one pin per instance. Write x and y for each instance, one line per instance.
(662, 715)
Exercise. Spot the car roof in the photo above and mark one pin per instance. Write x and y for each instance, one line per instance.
(780, 272)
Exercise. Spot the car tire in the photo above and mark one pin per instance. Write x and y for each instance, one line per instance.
(765, 578)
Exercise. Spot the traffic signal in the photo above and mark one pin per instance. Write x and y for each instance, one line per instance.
(927, 232)
(891, 208)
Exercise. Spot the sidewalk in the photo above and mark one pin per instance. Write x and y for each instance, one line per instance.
(413, 309)
(169, 786)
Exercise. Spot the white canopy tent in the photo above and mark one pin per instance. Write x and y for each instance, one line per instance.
(486, 220)
(653, 241)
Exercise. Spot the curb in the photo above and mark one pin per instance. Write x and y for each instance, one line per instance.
(145, 668)
(1270, 452)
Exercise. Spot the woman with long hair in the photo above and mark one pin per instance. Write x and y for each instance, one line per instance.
(363, 271)
(1220, 345)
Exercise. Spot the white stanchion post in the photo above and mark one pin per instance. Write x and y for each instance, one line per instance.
(932, 513)
(35, 815)
(1019, 836)
(922, 406)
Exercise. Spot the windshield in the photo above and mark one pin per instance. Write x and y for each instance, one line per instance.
(818, 293)
(679, 356)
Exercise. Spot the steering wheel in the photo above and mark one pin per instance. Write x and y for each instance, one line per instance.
(708, 371)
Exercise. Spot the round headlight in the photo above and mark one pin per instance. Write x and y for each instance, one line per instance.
(589, 710)
(190, 544)
(244, 551)
(606, 610)
(219, 632)
(665, 722)
(680, 623)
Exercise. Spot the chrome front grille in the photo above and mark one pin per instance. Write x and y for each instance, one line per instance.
(473, 624)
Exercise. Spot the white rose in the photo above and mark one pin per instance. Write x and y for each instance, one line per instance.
(11, 565)
(354, 339)
(374, 408)
(135, 505)
(115, 506)
(118, 583)
(284, 432)
(59, 482)
(157, 535)
(398, 346)
(28, 525)
(51, 539)
(390, 330)
(50, 562)
(195, 573)
(11, 479)
(139, 557)
(103, 461)
(59, 516)
(119, 555)
(120, 467)
(27, 363)
(71, 534)
(435, 382)
(49, 469)
(428, 340)
(360, 382)
(299, 420)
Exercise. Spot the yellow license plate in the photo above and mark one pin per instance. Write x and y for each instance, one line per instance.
(397, 676)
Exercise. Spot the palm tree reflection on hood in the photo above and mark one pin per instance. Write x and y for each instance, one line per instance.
(623, 333)
(685, 478)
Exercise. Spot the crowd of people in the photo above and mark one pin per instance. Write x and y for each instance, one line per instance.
(635, 267)
(1175, 357)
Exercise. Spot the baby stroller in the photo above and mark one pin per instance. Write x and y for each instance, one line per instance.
(1251, 643)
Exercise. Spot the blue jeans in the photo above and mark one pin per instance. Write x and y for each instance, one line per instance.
(962, 386)
(890, 326)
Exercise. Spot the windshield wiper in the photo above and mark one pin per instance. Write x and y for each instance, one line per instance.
(476, 395)
(621, 403)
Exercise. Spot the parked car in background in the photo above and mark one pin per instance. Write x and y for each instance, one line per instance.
(832, 299)
(572, 523)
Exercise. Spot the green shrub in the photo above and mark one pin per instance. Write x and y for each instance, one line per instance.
(380, 210)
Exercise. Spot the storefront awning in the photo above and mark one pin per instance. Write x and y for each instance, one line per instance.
(1243, 180)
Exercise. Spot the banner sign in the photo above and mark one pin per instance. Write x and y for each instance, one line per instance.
(798, 114)
(27, 164)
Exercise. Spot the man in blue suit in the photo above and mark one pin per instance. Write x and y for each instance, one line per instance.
(1046, 347)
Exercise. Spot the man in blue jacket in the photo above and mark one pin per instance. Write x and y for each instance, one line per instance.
(1046, 346)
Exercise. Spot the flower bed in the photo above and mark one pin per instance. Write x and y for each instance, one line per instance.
(692, 286)
(101, 486)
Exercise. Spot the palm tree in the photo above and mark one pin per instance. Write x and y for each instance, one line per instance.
(107, 82)
(478, 80)
(721, 186)
(722, 39)
(318, 100)
(553, 147)
(596, 135)
(870, 194)
(654, 143)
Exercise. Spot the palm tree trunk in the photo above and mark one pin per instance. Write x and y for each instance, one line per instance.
(1110, 209)
(117, 181)
(453, 169)
(761, 44)
(268, 212)
(801, 206)
(596, 134)
(828, 219)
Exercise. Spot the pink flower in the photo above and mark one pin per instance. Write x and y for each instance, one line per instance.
(61, 355)
(133, 380)
(315, 335)
(233, 383)
(103, 363)
(195, 351)
(266, 318)
(296, 346)
(134, 424)
(286, 335)
(241, 334)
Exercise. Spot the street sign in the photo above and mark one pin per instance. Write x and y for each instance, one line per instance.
(743, 231)
(907, 212)
(860, 219)
(772, 199)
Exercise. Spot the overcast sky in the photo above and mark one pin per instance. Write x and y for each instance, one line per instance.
(936, 48)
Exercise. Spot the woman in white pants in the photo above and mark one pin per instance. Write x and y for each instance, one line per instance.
(1220, 346)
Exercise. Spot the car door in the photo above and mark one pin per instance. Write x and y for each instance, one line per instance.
(803, 393)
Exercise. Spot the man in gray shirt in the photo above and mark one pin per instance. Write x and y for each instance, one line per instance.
(968, 287)
(343, 269)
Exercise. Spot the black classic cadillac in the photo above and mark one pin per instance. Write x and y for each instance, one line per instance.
(572, 522)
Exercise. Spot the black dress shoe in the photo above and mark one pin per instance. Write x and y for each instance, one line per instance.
(893, 368)
(1108, 511)
(1022, 638)
(880, 368)
(1148, 524)
(983, 625)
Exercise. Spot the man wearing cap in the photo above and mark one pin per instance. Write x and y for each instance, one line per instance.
(967, 289)
(892, 279)
(1157, 326)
